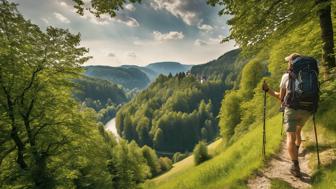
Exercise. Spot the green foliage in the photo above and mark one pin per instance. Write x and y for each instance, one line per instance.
(178, 156)
(173, 114)
(47, 139)
(200, 153)
(231, 167)
(165, 163)
(101, 95)
(325, 178)
(251, 75)
(226, 68)
(92, 89)
(152, 160)
(99, 7)
(253, 23)
(229, 115)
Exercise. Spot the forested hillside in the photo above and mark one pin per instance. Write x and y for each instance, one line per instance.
(265, 44)
(172, 114)
(129, 78)
(225, 68)
(101, 95)
(151, 74)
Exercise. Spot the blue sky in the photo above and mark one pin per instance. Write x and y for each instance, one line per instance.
(186, 31)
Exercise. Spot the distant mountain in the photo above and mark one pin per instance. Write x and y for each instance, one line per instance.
(128, 77)
(225, 68)
(168, 67)
(150, 73)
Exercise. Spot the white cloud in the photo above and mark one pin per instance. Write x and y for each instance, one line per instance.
(205, 27)
(61, 18)
(130, 7)
(178, 8)
(210, 41)
(172, 35)
(216, 40)
(64, 4)
(129, 21)
(199, 42)
(106, 19)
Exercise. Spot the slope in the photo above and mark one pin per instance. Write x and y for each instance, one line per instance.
(227, 67)
(229, 168)
(128, 78)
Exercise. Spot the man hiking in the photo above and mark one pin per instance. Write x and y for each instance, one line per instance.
(299, 96)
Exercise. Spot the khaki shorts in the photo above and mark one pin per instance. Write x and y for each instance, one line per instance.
(294, 118)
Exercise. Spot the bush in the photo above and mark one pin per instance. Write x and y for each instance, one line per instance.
(178, 156)
(165, 163)
(152, 160)
(201, 153)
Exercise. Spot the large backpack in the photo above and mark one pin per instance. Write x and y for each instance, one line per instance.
(303, 86)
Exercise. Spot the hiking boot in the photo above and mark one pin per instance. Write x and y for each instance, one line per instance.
(295, 171)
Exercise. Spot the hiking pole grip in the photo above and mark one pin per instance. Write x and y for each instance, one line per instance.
(316, 142)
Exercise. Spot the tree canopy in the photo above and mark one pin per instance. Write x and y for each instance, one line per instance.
(257, 23)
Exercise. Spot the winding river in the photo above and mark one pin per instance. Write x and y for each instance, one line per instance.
(111, 126)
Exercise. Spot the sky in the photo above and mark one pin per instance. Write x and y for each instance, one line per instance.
(185, 31)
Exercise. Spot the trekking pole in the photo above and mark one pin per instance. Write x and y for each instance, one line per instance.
(264, 129)
(283, 115)
(316, 141)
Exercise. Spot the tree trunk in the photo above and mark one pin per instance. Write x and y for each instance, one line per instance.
(327, 35)
(14, 134)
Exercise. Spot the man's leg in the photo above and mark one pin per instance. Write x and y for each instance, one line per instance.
(293, 153)
(298, 137)
(291, 146)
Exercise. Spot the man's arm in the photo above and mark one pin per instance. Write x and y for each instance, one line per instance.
(279, 95)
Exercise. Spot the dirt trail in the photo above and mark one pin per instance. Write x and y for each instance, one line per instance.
(278, 168)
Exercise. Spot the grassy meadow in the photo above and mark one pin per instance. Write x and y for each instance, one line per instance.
(229, 168)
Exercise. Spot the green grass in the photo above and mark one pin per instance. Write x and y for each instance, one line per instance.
(280, 184)
(325, 178)
(188, 162)
(230, 168)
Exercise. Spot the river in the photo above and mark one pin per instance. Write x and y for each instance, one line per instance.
(111, 126)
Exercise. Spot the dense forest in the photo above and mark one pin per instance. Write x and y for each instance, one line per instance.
(174, 113)
(48, 139)
(226, 68)
(101, 95)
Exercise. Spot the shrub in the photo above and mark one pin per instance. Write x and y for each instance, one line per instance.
(178, 156)
(165, 163)
(201, 153)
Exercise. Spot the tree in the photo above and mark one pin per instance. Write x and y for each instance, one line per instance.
(200, 153)
(35, 80)
(99, 7)
(256, 23)
(229, 115)
(152, 160)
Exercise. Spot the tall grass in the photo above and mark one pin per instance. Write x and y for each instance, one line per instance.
(230, 168)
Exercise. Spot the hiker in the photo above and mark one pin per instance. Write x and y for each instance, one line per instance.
(298, 105)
